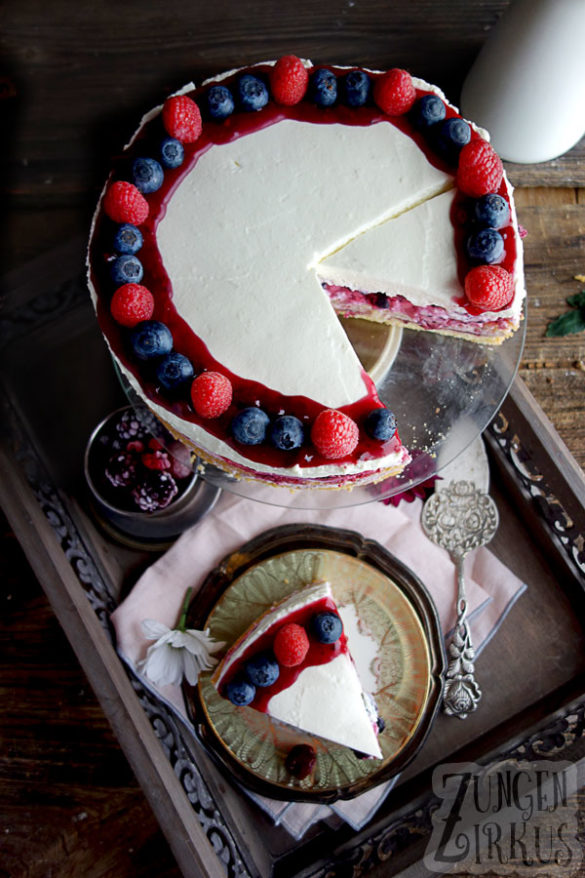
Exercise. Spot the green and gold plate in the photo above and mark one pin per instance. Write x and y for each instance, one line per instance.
(394, 637)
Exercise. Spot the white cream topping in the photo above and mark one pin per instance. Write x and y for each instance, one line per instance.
(273, 203)
(327, 700)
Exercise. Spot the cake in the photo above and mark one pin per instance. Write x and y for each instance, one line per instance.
(245, 215)
(294, 664)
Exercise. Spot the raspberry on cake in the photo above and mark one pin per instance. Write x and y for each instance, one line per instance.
(288, 193)
(300, 672)
(182, 118)
(132, 303)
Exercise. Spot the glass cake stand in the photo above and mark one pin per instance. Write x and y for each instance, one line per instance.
(443, 390)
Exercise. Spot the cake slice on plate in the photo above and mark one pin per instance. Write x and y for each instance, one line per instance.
(294, 664)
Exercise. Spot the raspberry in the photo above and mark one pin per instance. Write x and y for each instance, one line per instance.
(132, 303)
(394, 92)
(291, 645)
(211, 394)
(480, 169)
(288, 80)
(123, 203)
(156, 460)
(334, 434)
(182, 118)
(489, 287)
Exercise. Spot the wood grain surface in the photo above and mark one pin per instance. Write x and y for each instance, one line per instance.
(74, 80)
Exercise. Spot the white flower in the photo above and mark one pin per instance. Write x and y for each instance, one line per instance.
(177, 653)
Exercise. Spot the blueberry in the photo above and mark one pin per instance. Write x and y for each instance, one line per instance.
(172, 153)
(262, 669)
(487, 245)
(427, 111)
(323, 87)
(127, 240)
(127, 269)
(452, 135)
(174, 371)
(327, 627)
(252, 93)
(380, 424)
(357, 87)
(147, 174)
(240, 692)
(492, 210)
(250, 425)
(150, 339)
(287, 433)
(220, 102)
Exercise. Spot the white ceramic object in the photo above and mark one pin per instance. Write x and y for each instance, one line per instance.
(527, 85)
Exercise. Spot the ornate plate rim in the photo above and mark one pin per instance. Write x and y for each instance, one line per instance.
(280, 540)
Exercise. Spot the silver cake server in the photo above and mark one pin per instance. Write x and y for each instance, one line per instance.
(460, 518)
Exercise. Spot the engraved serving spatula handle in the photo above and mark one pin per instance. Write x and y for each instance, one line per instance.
(461, 693)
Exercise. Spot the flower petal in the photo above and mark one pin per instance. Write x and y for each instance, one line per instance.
(163, 665)
(153, 629)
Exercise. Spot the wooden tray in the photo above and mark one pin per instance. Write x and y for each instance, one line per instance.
(58, 383)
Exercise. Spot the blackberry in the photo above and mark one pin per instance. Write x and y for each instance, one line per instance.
(128, 426)
(120, 470)
(379, 300)
(154, 491)
(301, 760)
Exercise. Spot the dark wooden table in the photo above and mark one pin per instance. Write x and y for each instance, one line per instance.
(74, 79)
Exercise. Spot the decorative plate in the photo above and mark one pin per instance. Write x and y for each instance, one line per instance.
(395, 640)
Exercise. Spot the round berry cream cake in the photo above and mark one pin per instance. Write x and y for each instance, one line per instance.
(294, 664)
(246, 214)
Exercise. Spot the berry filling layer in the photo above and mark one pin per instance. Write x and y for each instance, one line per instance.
(380, 307)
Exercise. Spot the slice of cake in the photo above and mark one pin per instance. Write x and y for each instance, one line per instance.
(245, 213)
(294, 664)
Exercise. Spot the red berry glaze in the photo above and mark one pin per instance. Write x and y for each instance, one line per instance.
(123, 203)
(394, 92)
(182, 118)
(334, 434)
(288, 80)
(211, 394)
(131, 304)
(480, 169)
(291, 645)
(489, 287)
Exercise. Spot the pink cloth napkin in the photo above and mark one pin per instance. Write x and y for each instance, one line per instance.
(159, 593)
